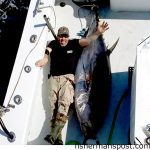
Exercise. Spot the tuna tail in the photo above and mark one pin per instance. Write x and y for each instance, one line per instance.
(110, 50)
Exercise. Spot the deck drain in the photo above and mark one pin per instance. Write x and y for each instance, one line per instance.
(18, 99)
(27, 69)
(33, 38)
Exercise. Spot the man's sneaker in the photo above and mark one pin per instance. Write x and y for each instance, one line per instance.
(58, 142)
(49, 139)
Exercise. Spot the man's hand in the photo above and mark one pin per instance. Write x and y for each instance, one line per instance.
(41, 62)
(102, 27)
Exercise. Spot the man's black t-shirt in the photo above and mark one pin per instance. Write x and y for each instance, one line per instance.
(64, 59)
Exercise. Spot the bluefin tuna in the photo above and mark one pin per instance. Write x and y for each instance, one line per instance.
(92, 89)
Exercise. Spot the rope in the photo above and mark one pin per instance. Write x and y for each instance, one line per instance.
(24, 64)
(130, 71)
(1, 122)
(115, 115)
(26, 60)
(10, 136)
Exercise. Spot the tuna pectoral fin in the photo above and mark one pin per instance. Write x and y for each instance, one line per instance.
(109, 51)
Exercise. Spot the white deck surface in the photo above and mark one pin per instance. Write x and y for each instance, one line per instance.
(130, 27)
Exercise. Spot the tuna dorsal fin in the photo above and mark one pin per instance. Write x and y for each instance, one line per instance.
(109, 51)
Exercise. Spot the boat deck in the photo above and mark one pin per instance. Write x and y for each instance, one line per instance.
(130, 28)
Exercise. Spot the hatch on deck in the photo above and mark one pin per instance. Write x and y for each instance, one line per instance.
(130, 5)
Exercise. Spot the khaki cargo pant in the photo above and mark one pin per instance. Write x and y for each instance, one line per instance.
(61, 93)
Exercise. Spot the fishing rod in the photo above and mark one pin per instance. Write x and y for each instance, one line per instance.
(50, 27)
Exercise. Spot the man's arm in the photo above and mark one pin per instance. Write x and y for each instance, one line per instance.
(42, 62)
(102, 27)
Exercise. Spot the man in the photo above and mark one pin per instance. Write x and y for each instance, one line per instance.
(64, 54)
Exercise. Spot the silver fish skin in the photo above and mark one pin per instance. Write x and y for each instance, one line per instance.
(83, 79)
